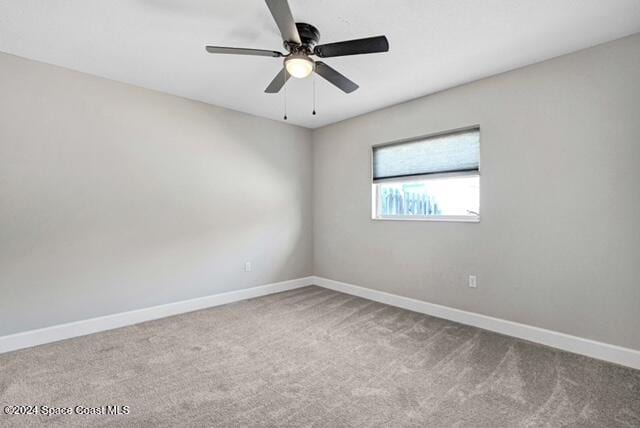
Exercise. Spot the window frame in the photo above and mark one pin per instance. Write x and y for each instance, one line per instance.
(375, 199)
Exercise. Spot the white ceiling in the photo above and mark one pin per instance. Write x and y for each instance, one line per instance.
(434, 44)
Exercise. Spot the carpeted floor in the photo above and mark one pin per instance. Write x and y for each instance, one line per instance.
(315, 357)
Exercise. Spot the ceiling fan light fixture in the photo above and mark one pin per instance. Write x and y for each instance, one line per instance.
(298, 65)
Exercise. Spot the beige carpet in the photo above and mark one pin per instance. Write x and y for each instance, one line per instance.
(314, 357)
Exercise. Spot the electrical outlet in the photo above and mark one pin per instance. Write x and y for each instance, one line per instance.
(247, 266)
(473, 281)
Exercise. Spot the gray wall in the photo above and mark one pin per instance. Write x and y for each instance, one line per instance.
(558, 245)
(115, 198)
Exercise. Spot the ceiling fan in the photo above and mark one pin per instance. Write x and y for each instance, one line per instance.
(300, 41)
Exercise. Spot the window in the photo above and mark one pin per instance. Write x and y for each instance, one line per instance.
(430, 178)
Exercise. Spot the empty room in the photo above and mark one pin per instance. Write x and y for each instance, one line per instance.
(290, 213)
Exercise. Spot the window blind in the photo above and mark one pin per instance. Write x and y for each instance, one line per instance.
(445, 153)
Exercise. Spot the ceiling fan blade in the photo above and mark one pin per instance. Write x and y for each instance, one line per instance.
(353, 47)
(335, 78)
(242, 51)
(278, 82)
(284, 20)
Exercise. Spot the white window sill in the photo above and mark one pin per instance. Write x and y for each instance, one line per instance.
(447, 218)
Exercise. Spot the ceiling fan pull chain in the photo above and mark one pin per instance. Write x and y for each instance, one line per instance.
(285, 97)
(314, 95)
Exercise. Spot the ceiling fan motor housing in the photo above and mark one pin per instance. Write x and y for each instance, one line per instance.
(309, 36)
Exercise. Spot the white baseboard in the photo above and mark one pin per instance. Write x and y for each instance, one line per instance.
(54, 333)
(591, 348)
